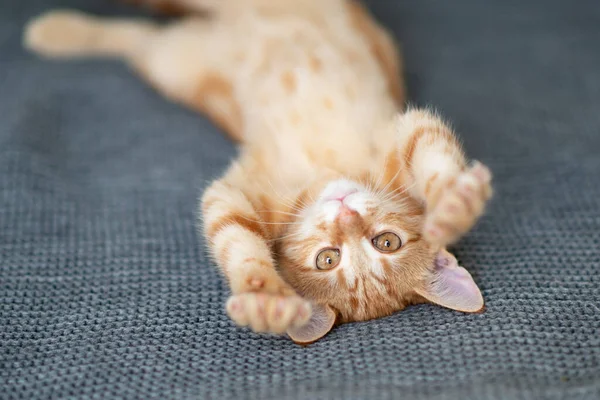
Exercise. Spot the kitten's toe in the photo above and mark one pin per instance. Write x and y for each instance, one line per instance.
(302, 314)
(265, 313)
(468, 186)
(483, 173)
(449, 220)
(459, 206)
(286, 312)
(279, 314)
(256, 311)
(483, 176)
(248, 309)
(439, 232)
(472, 193)
(236, 310)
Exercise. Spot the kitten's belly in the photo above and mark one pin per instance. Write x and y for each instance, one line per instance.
(310, 83)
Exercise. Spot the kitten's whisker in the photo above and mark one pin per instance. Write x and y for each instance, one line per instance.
(367, 181)
(381, 173)
(298, 201)
(285, 237)
(377, 190)
(278, 223)
(310, 196)
(391, 181)
(276, 191)
(302, 205)
(392, 195)
(397, 192)
(312, 200)
(271, 223)
(280, 212)
(283, 201)
(384, 189)
(290, 207)
(397, 198)
(400, 203)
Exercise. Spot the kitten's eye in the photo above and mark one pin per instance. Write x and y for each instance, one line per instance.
(328, 258)
(387, 242)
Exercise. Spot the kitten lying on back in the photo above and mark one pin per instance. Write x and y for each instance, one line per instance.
(339, 207)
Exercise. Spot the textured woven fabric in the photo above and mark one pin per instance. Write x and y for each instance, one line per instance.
(106, 290)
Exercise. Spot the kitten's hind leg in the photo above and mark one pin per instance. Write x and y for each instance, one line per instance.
(187, 61)
(193, 62)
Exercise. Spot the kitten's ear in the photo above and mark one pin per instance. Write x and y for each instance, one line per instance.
(451, 286)
(321, 322)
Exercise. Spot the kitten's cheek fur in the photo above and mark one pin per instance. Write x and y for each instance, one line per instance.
(320, 323)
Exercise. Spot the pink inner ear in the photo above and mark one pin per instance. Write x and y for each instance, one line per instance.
(451, 286)
(321, 322)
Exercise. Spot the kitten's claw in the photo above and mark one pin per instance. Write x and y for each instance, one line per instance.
(268, 313)
(459, 206)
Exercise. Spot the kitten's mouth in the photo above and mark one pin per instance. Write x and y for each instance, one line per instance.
(341, 195)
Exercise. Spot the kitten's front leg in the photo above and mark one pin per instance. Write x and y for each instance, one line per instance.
(454, 194)
(238, 239)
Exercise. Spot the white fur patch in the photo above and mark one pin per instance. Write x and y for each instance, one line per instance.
(307, 228)
(375, 265)
(377, 268)
(347, 267)
(357, 202)
(374, 256)
(330, 210)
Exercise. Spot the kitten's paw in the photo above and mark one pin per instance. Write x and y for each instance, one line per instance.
(268, 313)
(458, 206)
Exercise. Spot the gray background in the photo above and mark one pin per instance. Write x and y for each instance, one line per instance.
(106, 290)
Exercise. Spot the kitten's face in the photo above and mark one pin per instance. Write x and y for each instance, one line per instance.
(358, 251)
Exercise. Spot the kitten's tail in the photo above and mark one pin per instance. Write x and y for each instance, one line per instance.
(68, 34)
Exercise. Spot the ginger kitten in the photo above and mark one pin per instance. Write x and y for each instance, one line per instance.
(340, 206)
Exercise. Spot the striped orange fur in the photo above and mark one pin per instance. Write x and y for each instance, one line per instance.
(330, 165)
